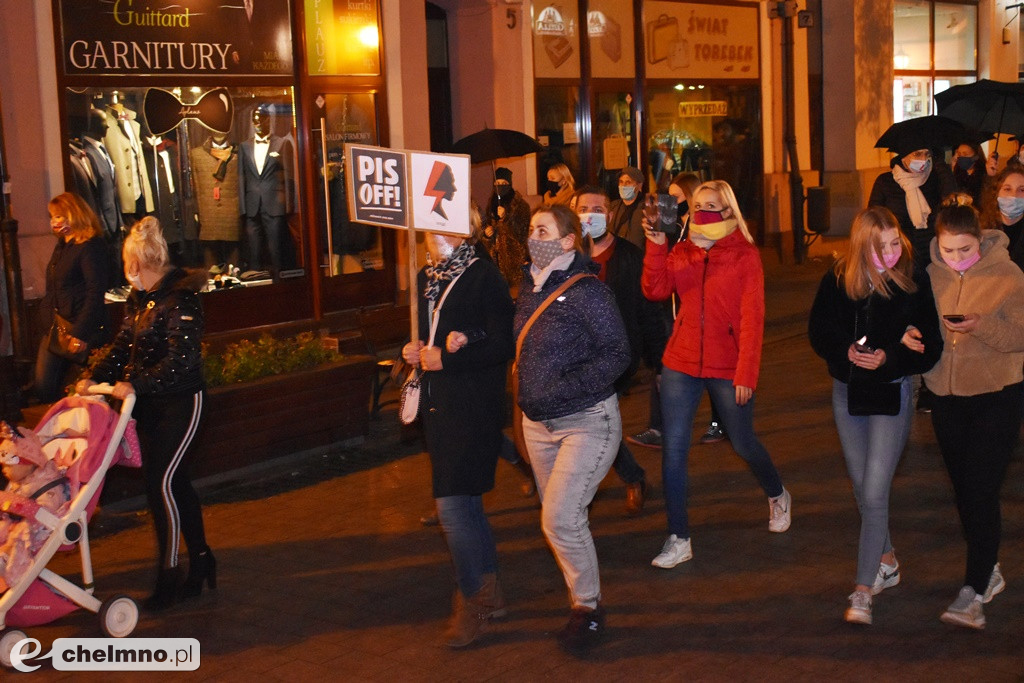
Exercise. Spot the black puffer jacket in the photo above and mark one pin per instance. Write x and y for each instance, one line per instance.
(157, 349)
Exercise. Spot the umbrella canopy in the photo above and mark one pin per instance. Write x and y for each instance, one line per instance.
(496, 143)
(985, 105)
(927, 132)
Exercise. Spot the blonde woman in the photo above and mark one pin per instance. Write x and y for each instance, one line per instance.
(76, 278)
(560, 186)
(860, 314)
(716, 344)
(156, 356)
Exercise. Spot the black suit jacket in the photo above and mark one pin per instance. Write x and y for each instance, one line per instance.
(266, 189)
(106, 189)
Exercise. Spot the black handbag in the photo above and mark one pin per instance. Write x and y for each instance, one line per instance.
(873, 398)
(64, 344)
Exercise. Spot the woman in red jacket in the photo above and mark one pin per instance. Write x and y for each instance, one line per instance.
(716, 343)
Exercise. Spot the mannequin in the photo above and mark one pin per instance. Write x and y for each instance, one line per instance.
(215, 175)
(103, 167)
(123, 140)
(263, 174)
(165, 176)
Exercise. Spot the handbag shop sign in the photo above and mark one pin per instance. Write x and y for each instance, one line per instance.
(201, 37)
(402, 189)
(697, 41)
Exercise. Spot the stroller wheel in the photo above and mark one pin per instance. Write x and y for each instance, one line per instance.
(7, 643)
(118, 616)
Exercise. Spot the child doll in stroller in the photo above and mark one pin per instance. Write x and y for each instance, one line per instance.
(30, 473)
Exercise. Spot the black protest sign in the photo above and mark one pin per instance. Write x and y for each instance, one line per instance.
(378, 180)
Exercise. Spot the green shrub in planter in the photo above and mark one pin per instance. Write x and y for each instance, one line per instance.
(247, 360)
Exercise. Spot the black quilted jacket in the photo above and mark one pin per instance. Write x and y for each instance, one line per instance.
(157, 349)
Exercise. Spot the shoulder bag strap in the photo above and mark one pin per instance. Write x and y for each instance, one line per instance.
(435, 313)
(540, 309)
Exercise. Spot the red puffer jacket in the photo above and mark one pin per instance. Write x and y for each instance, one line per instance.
(720, 325)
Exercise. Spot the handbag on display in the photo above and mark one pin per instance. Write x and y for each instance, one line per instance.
(409, 403)
(518, 438)
(64, 344)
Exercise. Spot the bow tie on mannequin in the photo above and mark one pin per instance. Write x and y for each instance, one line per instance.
(264, 140)
(164, 110)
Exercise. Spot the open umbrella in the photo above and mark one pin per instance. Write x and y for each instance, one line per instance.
(496, 143)
(985, 105)
(927, 132)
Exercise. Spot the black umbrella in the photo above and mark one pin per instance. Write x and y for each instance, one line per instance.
(985, 105)
(496, 143)
(927, 132)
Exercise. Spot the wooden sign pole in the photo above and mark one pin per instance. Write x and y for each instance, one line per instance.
(414, 295)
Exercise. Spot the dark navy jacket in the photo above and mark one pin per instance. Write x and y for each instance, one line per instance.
(575, 350)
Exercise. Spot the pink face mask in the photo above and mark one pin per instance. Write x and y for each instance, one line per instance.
(961, 266)
(888, 260)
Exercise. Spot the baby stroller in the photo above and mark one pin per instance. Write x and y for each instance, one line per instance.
(84, 436)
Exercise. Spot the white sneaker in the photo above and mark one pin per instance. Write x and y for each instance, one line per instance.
(859, 611)
(888, 576)
(965, 610)
(779, 512)
(675, 551)
(996, 585)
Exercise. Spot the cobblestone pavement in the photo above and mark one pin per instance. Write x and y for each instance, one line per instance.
(325, 572)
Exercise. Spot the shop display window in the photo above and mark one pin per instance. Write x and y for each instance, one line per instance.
(216, 166)
(556, 125)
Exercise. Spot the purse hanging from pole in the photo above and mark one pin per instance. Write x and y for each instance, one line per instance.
(409, 402)
(517, 414)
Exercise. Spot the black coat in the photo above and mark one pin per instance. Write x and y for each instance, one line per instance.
(462, 406)
(266, 190)
(888, 193)
(837, 321)
(642, 317)
(76, 278)
(158, 348)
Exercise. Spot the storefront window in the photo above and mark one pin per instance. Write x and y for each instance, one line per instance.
(710, 130)
(556, 125)
(614, 143)
(934, 48)
(350, 247)
(342, 38)
(216, 166)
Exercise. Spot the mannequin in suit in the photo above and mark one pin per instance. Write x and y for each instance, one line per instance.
(215, 174)
(263, 199)
(123, 141)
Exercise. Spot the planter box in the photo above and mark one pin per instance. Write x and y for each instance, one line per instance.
(249, 423)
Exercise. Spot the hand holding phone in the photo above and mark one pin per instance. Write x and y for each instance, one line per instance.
(861, 346)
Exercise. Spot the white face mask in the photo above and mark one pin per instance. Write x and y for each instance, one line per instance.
(917, 165)
(594, 224)
(440, 247)
(135, 281)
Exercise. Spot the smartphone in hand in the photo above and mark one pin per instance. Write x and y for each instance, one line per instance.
(861, 345)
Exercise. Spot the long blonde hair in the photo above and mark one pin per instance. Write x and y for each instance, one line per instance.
(728, 199)
(857, 269)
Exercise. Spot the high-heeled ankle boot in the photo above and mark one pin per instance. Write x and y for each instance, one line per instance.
(166, 592)
(201, 567)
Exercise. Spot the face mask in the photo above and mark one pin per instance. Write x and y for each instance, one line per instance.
(682, 208)
(962, 266)
(917, 166)
(554, 186)
(543, 252)
(503, 192)
(594, 224)
(711, 224)
(135, 281)
(1011, 207)
(441, 247)
(888, 260)
(965, 163)
(627, 192)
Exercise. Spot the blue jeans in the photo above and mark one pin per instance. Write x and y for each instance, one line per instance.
(470, 543)
(52, 373)
(872, 446)
(570, 456)
(680, 396)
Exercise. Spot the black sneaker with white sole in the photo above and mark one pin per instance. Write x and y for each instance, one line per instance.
(584, 630)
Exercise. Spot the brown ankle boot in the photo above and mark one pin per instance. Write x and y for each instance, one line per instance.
(492, 597)
(468, 621)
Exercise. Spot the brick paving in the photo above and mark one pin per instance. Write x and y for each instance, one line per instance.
(326, 574)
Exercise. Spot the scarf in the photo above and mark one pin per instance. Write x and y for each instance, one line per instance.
(559, 263)
(917, 205)
(447, 270)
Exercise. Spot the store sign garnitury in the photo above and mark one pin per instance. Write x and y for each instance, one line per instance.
(195, 37)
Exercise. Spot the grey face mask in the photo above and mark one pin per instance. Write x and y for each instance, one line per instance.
(543, 252)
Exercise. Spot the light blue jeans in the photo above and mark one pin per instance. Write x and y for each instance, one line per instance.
(570, 456)
(468, 534)
(872, 446)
